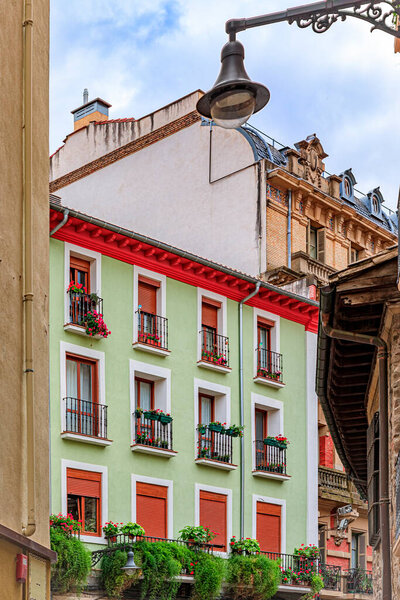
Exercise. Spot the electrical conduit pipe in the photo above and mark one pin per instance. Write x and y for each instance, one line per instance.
(241, 401)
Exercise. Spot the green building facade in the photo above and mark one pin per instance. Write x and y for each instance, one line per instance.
(108, 461)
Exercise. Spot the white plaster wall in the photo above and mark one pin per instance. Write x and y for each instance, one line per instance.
(163, 191)
(312, 440)
(94, 141)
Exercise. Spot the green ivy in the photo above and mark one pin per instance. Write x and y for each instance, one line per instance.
(114, 580)
(209, 573)
(253, 577)
(73, 562)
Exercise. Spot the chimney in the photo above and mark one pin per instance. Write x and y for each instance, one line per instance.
(95, 110)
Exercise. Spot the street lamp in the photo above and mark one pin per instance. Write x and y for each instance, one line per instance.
(130, 567)
(234, 97)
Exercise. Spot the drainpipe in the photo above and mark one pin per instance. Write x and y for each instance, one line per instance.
(29, 527)
(384, 500)
(61, 223)
(289, 230)
(241, 402)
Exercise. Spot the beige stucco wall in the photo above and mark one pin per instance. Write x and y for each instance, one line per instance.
(13, 510)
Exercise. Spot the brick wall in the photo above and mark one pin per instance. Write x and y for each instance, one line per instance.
(299, 236)
(276, 236)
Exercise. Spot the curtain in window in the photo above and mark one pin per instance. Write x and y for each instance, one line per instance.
(72, 395)
(144, 394)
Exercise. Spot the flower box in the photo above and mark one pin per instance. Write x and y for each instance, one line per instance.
(165, 419)
(215, 427)
(269, 442)
(152, 416)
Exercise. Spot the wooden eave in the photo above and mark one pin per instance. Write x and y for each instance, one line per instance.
(345, 368)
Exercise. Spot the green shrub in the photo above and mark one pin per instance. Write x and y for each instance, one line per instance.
(73, 562)
(253, 577)
(209, 572)
(114, 580)
(316, 583)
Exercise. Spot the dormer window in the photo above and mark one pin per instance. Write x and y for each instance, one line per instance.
(374, 202)
(375, 205)
(347, 186)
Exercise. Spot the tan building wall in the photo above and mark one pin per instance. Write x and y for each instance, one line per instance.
(13, 440)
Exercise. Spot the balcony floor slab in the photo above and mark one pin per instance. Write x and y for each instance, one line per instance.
(213, 367)
(269, 382)
(151, 349)
(80, 330)
(163, 452)
(216, 464)
(87, 439)
(268, 475)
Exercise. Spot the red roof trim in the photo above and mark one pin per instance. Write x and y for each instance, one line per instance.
(118, 246)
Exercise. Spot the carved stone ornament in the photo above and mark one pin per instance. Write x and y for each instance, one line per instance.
(311, 157)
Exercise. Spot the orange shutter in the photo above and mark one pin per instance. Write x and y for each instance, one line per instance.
(151, 508)
(213, 515)
(83, 483)
(147, 296)
(209, 316)
(269, 527)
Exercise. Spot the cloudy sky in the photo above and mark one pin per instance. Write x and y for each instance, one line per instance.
(139, 55)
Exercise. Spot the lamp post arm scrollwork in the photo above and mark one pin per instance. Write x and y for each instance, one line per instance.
(381, 14)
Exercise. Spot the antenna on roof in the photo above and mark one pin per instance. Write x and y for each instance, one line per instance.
(85, 96)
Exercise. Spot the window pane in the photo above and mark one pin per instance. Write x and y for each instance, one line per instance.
(313, 242)
(259, 425)
(73, 506)
(72, 378)
(91, 514)
(263, 337)
(86, 381)
(145, 395)
(206, 415)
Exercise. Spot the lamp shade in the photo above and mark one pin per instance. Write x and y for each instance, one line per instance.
(130, 567)
(234, 97)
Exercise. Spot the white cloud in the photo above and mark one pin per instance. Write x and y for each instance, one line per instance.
(139, 55)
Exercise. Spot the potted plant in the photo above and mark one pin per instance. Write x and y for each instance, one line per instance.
(76, 288)
(196, 535)
(142, 438)
(244, 545)
(132, 530)
(95, 324)
(111, 530)
(216, 426)
(282, 442)
(165, 418)
(204, 453)
(138, 412)
(235, 430)
(201, 428)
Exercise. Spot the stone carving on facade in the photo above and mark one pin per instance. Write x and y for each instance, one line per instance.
(311, 157)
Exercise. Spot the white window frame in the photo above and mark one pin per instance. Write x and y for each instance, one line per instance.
(97, 355)
(73, 464)
(161, 294)
(216, 490)
(222, 315)
(168, 483)
(275, 419)
(278, 502)
(222, 395)
(162, 386)
(95, 271)
(275, 333)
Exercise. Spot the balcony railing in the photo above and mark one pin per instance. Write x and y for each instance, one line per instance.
(214, 348)
(214, 445)
(333, 480)
(332, 576)
(81, 304)
(270, 458)
(303, 263)
(152, 330)
(151, 432)
(359, 581)
(84, 417)
(269, 365)
(295, 569)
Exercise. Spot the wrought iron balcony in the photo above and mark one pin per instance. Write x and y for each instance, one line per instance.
(83, 417)
(295, 570)
(151, 431)
(213, 444)
(332, 576)
(214, 348)
(152, 330)
(269, 365)
(358, 581)
(81, 304)
(270, 459)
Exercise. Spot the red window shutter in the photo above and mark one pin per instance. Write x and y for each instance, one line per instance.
(151, 509)
(147, 297)
(209, 316)
(83, 483)
(213, 514)
(269, 527)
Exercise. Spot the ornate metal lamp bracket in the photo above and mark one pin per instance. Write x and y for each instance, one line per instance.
(381, 14)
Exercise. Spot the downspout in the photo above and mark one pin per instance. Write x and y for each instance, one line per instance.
(289, 230)
(61, 223)
(384, 500)
(241, 402)
(29, 527)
